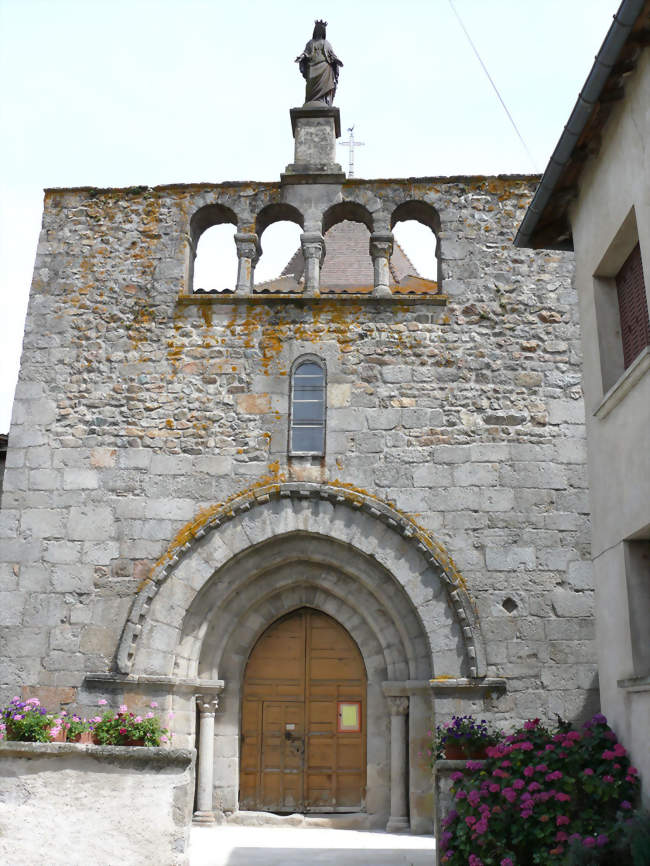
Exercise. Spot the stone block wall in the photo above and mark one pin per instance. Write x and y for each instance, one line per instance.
(139, 404)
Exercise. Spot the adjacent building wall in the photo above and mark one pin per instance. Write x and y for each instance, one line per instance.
(610, 215)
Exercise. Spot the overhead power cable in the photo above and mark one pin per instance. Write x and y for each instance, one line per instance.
(496, 89)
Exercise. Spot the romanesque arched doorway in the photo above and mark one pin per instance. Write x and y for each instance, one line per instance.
(303, 728)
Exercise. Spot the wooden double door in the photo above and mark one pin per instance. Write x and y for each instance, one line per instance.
(303, 734)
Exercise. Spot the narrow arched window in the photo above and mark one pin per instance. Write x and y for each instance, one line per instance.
(307, 425)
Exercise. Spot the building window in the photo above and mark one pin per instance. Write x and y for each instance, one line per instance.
(633, 307)
(307, 425)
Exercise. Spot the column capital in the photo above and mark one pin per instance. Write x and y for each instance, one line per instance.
(313, 245)
(399, 706)
(381, 244)
(207, 704)
(247, 244)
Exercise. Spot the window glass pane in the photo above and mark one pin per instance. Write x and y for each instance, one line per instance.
(308, 411)
(309, 368)
(308, 393)
(308, 439)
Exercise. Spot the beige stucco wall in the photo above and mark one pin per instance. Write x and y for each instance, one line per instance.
(64, 804)
(614, 195)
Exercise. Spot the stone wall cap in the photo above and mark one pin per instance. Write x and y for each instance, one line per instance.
(200, 186)
(109, 754)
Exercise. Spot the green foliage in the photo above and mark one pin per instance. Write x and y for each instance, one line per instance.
(538, 793)
(465, 732)
(27, 722)
(124, 728)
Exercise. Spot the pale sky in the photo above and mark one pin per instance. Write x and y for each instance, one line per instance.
(145, 92)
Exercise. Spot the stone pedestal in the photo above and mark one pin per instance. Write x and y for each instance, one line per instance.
(205, 770)
(381, 249)
(315, 131)
(398, 821)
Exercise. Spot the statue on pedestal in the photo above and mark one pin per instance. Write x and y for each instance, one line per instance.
(319, 66)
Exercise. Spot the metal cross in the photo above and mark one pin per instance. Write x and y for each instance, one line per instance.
(351, 144)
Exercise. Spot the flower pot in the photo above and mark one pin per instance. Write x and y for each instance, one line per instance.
(477, 753)
(133, 742)
(60, 736)
(455, 752)
(84, 737)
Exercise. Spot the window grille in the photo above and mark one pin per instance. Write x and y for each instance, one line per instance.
(307, 428)
(633, 307)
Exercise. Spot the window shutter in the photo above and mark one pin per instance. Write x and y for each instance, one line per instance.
(633, 307)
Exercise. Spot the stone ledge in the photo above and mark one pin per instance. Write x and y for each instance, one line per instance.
(634, 373)
(144, 682)
(635, 684)
(223, 298)
(483, 684)
(108, 754)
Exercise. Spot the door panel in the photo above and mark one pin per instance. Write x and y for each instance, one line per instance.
(293, 758)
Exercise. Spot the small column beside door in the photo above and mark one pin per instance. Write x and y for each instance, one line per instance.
(398, 821)
(207, 705)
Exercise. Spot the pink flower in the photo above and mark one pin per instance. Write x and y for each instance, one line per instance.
(541, 768)
(507, 862)
(469, 820)
(589, 842)
(619, 751)
(122, 730)
(562, 798)
(494, 788)
(153, 705)
(138, 719)
(561, 836)
(608, 778)
(124, 709)
(518, 784)
(456, 776)
(474, 860)
(588, 771)
(608, 755)
(601, 840)
(163, 739)
(149, 716)
(554, 776)
(529, 771)
(561, 819)
(101, 702)
(170, 715)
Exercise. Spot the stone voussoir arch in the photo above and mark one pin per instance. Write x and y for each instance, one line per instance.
(210, 520)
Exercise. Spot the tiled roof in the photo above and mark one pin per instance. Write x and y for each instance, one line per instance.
(347, 267)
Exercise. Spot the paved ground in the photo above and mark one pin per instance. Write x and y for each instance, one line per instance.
(297, 846)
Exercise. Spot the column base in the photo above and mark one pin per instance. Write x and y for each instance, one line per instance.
(203, 818)
(398, 825)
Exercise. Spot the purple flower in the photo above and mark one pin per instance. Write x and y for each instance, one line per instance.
(589, 842)
(588, 771)
(602, 840)
(456, 776)
(507, 862)
(626, 804)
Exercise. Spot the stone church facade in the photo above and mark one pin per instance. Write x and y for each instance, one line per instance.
(157, 520)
